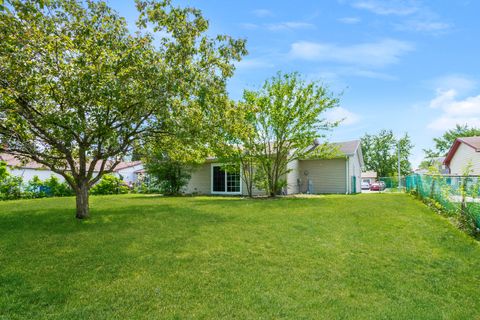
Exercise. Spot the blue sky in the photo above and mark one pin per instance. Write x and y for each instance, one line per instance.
(409, 66)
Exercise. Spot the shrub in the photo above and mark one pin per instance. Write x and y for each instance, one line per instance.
(10, 187)
(168, 175)
(109, 184)
(52, 187)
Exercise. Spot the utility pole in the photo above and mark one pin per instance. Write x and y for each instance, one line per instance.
(398, 161)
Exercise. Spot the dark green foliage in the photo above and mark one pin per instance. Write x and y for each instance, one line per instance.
(170, 176)
(10, 187)
(109, 185)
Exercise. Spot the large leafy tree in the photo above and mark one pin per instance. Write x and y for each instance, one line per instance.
(78, 89)
(278, 125)
(380, 153)
(443, 143)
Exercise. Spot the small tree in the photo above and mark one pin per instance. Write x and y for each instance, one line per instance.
(380, 153)
(77, 89)
(283, 120)
(170, 175)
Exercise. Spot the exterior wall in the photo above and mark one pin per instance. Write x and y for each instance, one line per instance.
(327, 175)
(28, 174)
(128, 174)
(462, 157)
(201, 180)
(355, 170)
(292, 177)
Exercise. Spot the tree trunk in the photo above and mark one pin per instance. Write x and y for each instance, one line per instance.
(83, 210)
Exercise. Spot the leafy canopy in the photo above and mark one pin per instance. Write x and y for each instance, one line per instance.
(78, 89)
(380, 153)
(278, 124)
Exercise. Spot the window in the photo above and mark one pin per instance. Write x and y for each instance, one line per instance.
(225, 181)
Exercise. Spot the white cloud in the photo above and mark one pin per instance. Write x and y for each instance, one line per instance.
(253, 63)
(290, 25)
(378, 54)
(424, 26)
(454, 110)
(346, 117)
(460, 83)
(262, 13)
(387, 7)
(349, 20)
(249, 26)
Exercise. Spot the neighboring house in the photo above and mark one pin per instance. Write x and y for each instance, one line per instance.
(339, 175)
(369, 177)
(128, 171)
(27, 170)
(463, 153)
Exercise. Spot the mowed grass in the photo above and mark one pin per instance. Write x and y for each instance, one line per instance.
(376, 256)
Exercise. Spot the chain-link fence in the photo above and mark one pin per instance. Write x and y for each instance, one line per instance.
(392, 182)
(455, 195)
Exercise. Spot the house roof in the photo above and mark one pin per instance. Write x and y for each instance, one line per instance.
(472, 142)
(127, 164)
(369, 174)
(347, 148)
(13, 161)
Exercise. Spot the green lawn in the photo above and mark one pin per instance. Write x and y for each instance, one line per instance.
(377, 256)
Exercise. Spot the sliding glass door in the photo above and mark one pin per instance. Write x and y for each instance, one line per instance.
(225, 181)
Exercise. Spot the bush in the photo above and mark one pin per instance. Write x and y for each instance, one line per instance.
(11, 188)
(109, 185)
(168, 175)
(52, 187)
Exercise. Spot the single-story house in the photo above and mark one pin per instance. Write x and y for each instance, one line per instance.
(128, 171)
(369, 177)
(27, 170)
(464, 152)
(340, 174)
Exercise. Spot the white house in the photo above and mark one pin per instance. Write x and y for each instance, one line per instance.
(129, 171)
(369, 176)
(124, 170)
(463, 153)
(341, 175)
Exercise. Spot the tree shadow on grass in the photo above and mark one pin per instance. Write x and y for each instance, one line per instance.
(48, 258)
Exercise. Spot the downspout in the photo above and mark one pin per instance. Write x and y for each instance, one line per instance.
(346, 175)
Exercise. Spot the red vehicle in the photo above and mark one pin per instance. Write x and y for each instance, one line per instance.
(377, 186)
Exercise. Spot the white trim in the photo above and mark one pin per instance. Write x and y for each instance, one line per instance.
(224, 192)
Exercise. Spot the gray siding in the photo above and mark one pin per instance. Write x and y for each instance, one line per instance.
(200, 182)
(327, 175)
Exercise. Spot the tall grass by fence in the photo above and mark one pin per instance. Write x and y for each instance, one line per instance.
(454, 195)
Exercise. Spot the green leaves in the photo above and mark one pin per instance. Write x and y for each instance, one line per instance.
(278, 123)
(77, 89)
(380, 153)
